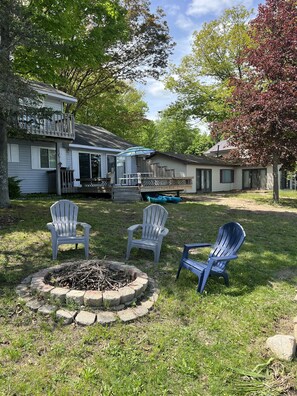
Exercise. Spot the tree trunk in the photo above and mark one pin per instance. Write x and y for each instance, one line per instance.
(275, 178)
(4, 194)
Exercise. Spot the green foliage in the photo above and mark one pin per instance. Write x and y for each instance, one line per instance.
(120, 110)
(201, 80)
(14, 187)
(176, 134)
(94, 44)
(201, 143)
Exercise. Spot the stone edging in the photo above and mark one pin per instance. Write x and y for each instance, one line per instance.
(129, 303)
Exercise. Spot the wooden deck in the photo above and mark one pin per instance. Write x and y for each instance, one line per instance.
(148, 185)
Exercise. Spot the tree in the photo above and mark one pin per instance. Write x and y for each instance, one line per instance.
(15, 29)
(201, 81)
(174, 135)
(263, 125)
(121, 110)
(95, 44)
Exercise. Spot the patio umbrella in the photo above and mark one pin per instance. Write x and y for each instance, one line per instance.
(138, 150)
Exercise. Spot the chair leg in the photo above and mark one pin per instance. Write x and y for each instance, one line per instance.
(55, 251)
(226, 278)
(178, 271)
(157, 255)
(128, 251)
(86, 250)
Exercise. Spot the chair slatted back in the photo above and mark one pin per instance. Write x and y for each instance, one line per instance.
(229, 240)
(64, 215)
(154, 219)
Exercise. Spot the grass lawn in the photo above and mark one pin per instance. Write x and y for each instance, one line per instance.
(189, 344)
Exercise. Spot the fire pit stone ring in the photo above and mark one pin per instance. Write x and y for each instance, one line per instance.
(134, 299)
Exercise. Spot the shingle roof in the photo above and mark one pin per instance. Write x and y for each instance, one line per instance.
(46, 89)
(88, 135)
(223, 145)
(196, 159)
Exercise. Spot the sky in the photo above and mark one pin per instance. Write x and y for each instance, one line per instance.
(184, 17)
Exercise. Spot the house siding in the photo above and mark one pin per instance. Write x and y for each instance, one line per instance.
(32, 180)
(216, 185)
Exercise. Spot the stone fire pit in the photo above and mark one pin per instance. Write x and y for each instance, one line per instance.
(90, 291)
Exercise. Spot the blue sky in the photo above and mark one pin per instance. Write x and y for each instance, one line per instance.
(184, 17)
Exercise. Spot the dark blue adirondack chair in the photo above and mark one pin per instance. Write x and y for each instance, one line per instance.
(229, 240)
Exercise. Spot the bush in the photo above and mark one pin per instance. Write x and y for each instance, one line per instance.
(14, 187)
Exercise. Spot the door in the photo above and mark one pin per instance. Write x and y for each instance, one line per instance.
(203, 180)
(89, 166)
(254, 179)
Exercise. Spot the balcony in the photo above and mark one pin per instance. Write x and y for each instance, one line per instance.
(55, 126)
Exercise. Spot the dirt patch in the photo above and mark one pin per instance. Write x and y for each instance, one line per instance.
(239, 203)
(7, 221)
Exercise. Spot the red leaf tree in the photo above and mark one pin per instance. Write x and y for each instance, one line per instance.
(264, 122)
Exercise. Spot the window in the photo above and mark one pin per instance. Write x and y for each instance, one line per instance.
(89, 166)
(226, 176)
(13, 153)
(111, 163)
(47, 158)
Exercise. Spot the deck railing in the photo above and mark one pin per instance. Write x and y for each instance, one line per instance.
(59, 125)
(146, 181)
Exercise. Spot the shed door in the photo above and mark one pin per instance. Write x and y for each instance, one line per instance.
(203, 180)
(254, 179)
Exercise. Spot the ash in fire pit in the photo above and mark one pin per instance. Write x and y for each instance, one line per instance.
(89, 276)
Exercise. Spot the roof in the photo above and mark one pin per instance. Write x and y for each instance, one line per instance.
(196, 159)
(45, 89)
(95, 136)
(223, 145)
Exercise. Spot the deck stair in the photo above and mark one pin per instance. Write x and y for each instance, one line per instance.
(126, 193)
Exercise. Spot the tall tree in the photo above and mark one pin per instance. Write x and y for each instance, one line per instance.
(95, 44)
(201, 80)
(264, 119)
(121, 110)
(15, 29)
(174, 134)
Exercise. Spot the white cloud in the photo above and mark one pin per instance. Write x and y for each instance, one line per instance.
(172, 9)
(154, 88)
(184, 22)
(204, 7)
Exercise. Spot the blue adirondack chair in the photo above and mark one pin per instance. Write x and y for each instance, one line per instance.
(229, 240)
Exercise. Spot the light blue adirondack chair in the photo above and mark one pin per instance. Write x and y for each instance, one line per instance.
(229, 240)
(153, 231)
(64, 224)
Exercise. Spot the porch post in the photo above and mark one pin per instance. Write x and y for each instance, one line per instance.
(58, 169)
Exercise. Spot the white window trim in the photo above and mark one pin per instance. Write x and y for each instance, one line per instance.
(13, 152)
(35, 157)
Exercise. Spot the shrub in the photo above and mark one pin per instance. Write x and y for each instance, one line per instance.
(14, 187)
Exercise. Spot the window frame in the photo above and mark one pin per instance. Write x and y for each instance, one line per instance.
(222, 172)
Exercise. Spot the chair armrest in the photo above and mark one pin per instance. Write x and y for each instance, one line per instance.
(189, 246)
(223, 258)
(84, 225)
(50, 227)
(134, 227)
(164, 231)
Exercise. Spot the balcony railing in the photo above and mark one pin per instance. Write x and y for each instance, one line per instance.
(56, 125)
